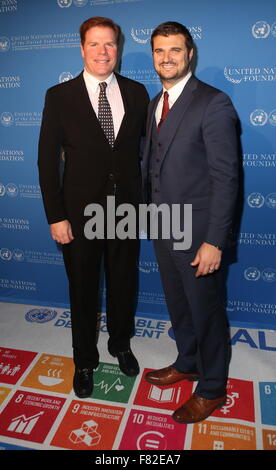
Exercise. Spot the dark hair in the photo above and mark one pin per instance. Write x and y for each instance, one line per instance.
(170, 28)
(99, 21)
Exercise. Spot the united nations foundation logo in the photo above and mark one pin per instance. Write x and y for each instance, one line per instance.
(228, 72)
(252, 274)
(11, 190)
(269, 275)
(6, 119)
(261, 30)
(255, 200)
(142, 35)
(65, 77)
(258, 117)
(5, 254)
(64, 3)
(238, 75)
(270, 200)
(40, 315)
(4, 44)
(272, 117)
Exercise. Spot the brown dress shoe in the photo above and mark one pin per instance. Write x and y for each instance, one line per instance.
(197, 409)
(168, 376)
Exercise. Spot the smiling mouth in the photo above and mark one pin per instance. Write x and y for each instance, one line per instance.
(167, 66)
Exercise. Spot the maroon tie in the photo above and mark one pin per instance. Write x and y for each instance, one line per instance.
(165, 109)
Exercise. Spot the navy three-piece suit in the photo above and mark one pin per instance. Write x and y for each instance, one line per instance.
(193, 159)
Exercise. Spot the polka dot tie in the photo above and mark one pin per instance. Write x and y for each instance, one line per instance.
(105, 115)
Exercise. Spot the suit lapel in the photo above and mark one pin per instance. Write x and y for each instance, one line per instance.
(176, 115)
(127, 107)
(82, 100)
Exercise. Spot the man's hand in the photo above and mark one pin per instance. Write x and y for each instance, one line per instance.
(208, 258)
(62, 232)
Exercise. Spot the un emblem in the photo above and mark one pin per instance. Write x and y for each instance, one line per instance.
(255, 200)
(65, 77)
(252, 274)
(40, 315)
(5, 254)
(258, 117)
(260, 30)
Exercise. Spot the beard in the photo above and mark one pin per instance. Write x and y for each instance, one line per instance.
(176, 76)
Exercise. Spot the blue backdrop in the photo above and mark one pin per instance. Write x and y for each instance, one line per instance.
(39, 47)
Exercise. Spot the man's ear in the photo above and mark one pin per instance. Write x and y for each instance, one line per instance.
(191, 54)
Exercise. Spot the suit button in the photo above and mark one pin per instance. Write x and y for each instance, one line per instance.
(156, 176)
(158, 159)
(111, 177)
(156, 190)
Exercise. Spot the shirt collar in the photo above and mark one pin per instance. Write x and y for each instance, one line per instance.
(93, 82)
(176, 90)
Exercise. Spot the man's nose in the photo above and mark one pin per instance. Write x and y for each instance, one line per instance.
(167, 56)
(102, 50)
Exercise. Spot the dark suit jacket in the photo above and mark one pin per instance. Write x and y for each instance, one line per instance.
(70, 123)
(198, 149)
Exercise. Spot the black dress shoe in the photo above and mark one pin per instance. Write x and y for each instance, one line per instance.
(128, 363)
(83, 382)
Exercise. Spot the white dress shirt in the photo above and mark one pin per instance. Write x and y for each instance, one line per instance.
(174, 92)
(113, 95)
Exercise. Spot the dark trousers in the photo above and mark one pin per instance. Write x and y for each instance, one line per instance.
(198, 317)
(83, 261)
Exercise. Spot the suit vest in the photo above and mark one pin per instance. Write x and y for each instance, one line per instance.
(155, 164)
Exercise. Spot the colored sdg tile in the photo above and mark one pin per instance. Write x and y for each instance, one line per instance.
(166, 398)
(152, 432)
(4, 391)
(268, 402)
(269, 439)
(240, 401)
(111, 384)
(52, 373)
(88, 426)
(30, 416)
(215, 435)
(13, 364)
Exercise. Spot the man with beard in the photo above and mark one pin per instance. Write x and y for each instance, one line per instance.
(191, 157)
